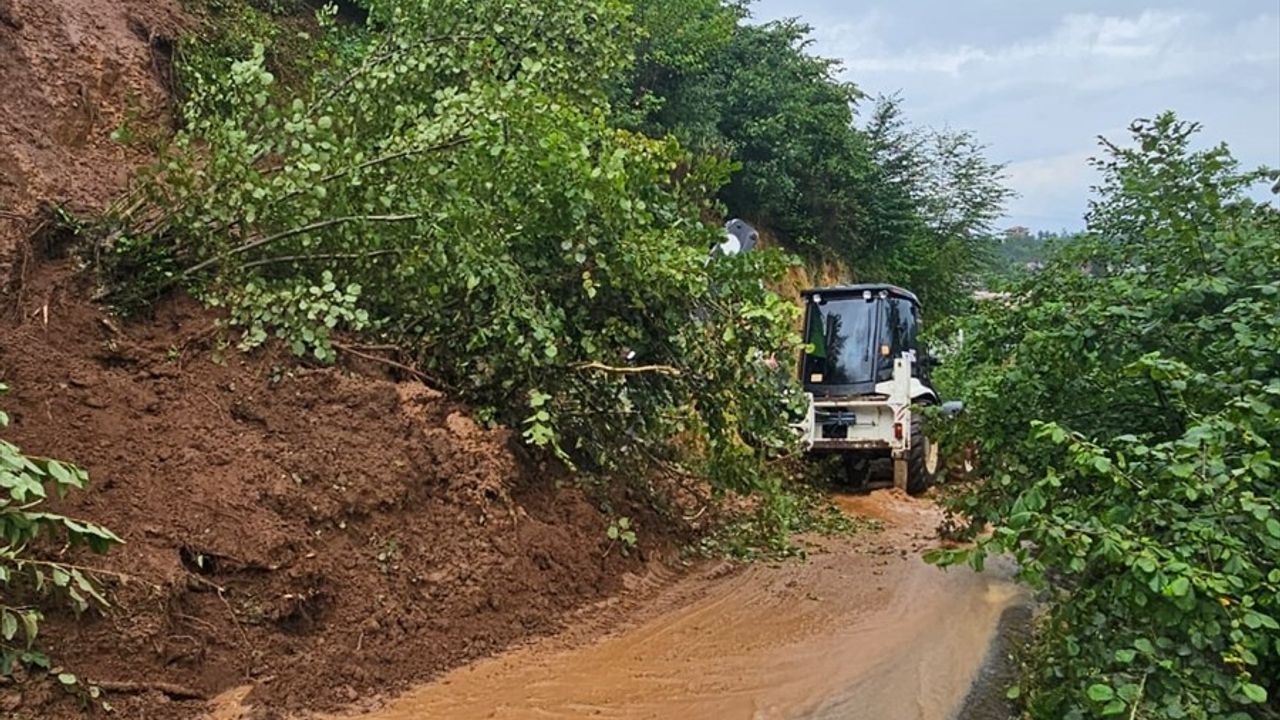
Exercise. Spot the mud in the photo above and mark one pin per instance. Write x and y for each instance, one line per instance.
(72, 72)
(319, 534)
(862, 629)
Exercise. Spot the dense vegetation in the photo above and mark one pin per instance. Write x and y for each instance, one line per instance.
(1019, 252)
(1125, 403)
(892, 201)
(518, 199)
(521, 199)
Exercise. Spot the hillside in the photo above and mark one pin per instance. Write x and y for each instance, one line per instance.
(73, 71)
(326, 533)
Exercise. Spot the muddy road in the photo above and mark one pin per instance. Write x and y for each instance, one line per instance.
(862, 629)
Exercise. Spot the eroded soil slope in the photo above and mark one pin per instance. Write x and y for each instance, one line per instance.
(71, 72)
(321, 535)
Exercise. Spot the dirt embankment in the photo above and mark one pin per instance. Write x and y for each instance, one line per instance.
(71, 72)
(317, 534)
(320, 535)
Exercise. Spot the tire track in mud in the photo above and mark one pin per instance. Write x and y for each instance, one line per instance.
(862, 629)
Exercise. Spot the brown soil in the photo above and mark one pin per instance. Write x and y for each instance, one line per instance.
(71, 72)
(313, 533)
(862, 630)
(320, 535)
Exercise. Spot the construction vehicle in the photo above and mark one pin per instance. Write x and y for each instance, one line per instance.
(863, 371)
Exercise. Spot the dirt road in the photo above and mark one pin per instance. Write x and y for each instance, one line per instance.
(863, 629)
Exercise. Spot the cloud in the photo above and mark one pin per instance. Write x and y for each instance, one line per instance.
(1083, 50)
(1042, 185)
(1039, 85)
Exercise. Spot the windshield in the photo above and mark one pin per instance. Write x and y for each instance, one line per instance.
(848, 338)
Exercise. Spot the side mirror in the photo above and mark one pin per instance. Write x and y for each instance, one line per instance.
(952, 407)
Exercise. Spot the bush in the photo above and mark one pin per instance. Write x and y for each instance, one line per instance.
(1125, 403)
(24, 486)
(452, 182)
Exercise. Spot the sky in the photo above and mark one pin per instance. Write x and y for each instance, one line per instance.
(1038, 82)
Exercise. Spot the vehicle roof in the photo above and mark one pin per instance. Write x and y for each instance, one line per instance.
(859, 288)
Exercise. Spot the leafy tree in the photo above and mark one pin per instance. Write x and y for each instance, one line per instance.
(1019, 251)
(894, 202)
(1125, 402)
(453, 182)
(779, 112)
(936, 200)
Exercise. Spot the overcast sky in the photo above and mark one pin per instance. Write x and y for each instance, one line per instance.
(1039, 81)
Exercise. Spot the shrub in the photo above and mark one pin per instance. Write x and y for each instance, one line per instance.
(1125, 402)
(25, 482)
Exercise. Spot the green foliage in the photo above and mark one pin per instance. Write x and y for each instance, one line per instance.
(768, 530)
(620, 530)
(450, 179)
(1019, 252)
(894, 202)
(303, 317)
(25, 483)
(932, 208)
(1125, 404)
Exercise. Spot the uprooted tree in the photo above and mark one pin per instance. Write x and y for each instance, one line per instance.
(447, 179)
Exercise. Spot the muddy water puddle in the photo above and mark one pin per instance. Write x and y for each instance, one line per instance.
(862, 629)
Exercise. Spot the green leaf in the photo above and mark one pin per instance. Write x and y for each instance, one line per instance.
(1099, 692)
(1128, 692)
(58, 472)
(67, 678)
(31, 625)
(1255, 693)
(1115, 707)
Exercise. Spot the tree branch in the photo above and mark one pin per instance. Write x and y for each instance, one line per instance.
(322, 256)
(177, 692)
(426, 379)
(639, 369)
(319, 225)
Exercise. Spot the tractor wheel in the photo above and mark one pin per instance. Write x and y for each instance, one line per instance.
(857, 469)
(924, 464)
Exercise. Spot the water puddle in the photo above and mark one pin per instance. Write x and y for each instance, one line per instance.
(863, 629)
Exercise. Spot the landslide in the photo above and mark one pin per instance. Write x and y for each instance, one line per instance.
(320, 534)
(72, 72)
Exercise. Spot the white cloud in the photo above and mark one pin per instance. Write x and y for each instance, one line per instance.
(1083, 50)
(1043, 183)
(1040, 88)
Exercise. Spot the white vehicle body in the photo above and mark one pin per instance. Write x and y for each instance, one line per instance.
(877, 422)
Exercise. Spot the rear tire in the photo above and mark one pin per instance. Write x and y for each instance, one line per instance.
(857, 469)
(924, 464)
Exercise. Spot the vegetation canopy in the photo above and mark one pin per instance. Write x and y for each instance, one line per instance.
(448, 180)
(1125, 406)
